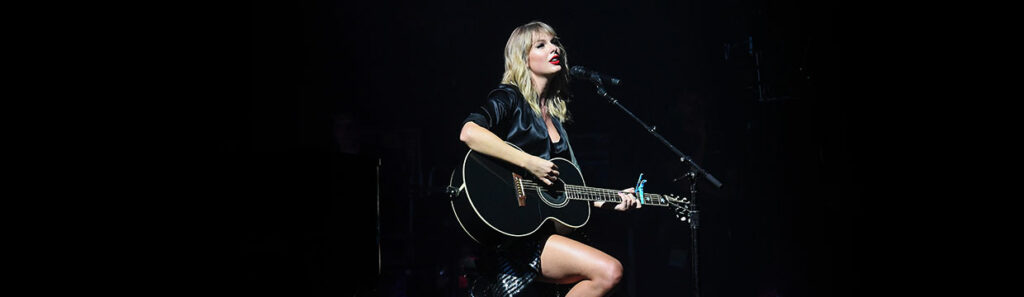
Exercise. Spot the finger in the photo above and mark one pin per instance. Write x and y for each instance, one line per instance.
(554, 172)
(630, 190)
(546, 181)
(553, 166)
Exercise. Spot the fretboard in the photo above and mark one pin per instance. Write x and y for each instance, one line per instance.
(609, 195)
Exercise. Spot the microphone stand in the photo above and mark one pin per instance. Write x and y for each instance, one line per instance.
(694, 224)
(694, 171)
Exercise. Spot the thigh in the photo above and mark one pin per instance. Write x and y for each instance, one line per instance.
(564, 261)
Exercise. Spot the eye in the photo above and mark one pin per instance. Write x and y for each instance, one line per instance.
(540, 45)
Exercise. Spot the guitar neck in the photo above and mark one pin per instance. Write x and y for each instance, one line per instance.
(609, 195)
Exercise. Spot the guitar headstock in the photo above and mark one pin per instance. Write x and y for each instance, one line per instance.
(680, 206)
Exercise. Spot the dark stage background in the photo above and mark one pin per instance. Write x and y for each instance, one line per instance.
(338, 126)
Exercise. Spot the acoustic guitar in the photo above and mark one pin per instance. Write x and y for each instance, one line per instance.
(494, 200)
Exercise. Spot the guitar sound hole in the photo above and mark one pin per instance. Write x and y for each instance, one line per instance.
(553, 195)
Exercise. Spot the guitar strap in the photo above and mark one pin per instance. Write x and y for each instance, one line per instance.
(571, 155)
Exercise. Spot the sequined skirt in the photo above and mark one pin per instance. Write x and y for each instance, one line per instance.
(515, 265)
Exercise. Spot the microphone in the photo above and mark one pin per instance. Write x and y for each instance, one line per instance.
(581, 72)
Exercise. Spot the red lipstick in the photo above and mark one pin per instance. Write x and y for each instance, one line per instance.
(554, 60)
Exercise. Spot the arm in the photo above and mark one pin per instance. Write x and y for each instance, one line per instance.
(484, 141)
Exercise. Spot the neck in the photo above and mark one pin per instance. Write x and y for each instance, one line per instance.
(539, 83)
(575, 192)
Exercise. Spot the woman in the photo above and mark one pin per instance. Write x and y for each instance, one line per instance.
(528, 109)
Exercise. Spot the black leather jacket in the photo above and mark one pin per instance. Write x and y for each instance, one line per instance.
(506, 114)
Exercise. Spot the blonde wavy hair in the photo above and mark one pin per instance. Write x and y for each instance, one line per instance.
(517, 71)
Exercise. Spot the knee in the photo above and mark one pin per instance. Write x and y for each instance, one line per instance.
(610, 274)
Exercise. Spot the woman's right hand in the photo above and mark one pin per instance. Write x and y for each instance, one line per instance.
(544, 170)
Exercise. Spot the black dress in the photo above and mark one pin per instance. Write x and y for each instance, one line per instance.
(506, 114)
(516, 263)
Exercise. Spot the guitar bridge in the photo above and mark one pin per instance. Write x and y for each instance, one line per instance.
(517, 181)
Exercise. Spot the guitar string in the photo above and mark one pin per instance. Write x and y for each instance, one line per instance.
(586, 190)
(595, 194)
(603, 192)
(657, 201)
(582, 189)
(599, 194)
(579, 189)
(588, 195)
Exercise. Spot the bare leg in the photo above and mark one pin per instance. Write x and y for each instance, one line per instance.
(565, 261)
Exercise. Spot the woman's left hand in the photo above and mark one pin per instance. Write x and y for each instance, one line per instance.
(628, 200)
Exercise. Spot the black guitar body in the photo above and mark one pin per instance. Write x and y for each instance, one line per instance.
(497, 200)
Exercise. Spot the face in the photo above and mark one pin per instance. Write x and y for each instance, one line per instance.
(544, 55)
